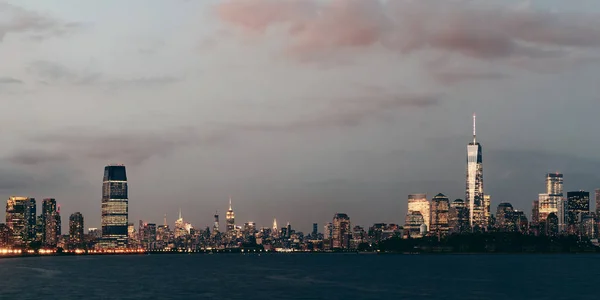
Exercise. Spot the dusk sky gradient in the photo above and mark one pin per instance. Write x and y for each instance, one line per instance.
(297, 109)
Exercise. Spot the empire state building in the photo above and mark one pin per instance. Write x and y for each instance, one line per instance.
(474, 194)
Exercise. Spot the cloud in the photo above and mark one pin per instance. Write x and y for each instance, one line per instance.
(126, 147)
(459, 76)
(14, 19)
(346, 113)
(53, 73)
(10, 80)
(468, 28)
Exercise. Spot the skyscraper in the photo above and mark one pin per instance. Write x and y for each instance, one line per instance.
(419, 202)
(458, 216)
(76, 230)
(578, 203)
(30, 220)
(597, 202)
(115, 213)
(341, 232)
(230, 218)
(439, 214)
(15, 219)
(549, 201)
(50, 222)
(535, 213)
(506, 217)
(216, 224)
(474, 191)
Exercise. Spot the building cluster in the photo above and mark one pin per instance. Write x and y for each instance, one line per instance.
(552, 214)
(24, 228)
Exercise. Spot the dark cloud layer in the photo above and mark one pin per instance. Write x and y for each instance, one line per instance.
(10, 80)
(464, 27)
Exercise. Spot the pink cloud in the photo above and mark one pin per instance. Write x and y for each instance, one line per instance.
(467, 28)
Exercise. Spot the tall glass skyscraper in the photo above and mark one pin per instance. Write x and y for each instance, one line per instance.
(474, 194)
(419, 202)
(552, 200)
(114, 207)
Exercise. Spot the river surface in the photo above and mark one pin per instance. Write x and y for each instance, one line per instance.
(302, 276)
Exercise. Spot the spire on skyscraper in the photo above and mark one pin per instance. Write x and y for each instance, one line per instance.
(165, 220)
(230, 209)
(180, 214)
(474, 128)
(275, 223)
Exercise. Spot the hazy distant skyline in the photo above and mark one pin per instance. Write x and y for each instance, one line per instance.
(297, 109)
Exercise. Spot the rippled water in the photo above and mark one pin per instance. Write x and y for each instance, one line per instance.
(301, 276)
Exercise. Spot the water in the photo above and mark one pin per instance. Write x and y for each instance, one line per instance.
(301, 276)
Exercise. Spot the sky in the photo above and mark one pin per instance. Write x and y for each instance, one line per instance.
(296, 109)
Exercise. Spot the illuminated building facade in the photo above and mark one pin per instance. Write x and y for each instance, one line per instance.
(230, 218)
(30, 220)
(506, 217)
(216, 224)
(552, 200)
(458, 217)
(474, 192)
(439, 214)
(419, 202)
(51, 222)
(412, 224)
(597, 198)
(76, 238)
(115, 211)
(15, 219)
(341, 231)
(578, 204)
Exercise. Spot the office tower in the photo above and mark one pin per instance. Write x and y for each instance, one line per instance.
(487, 202)
(458, 216)
(51, 222)
(549, 201)
(505, 217)
(535, 212)
(419, 202)
(216, 224)
(327, 231)
(289, 230)
(551, 224)
(597, 202)
(474, 191)
(412, 224)
(230, 218)
(315, 230)
(115, 202)
(275, 229)
(341, 231)
(522, 224)
(439, 214)
(578, 203)
(30, 220)
(6, 237)
(76, 230)
(16, 208)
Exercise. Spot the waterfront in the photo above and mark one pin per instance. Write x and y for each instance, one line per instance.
(302, 276)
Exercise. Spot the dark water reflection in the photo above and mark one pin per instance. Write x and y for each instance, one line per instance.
(302, 276)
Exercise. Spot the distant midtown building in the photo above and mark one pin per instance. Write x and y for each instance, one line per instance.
(419, 202)
(76, 238)
(458, 217)
(230, 218)
(315, 230)
(51, 222)
(115, 212)
(440, 205)
(341, 231)
(474, 192)
(215, 229)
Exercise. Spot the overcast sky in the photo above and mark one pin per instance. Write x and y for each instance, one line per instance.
(297, 109)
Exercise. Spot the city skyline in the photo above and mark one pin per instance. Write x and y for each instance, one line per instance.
(206, 99)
